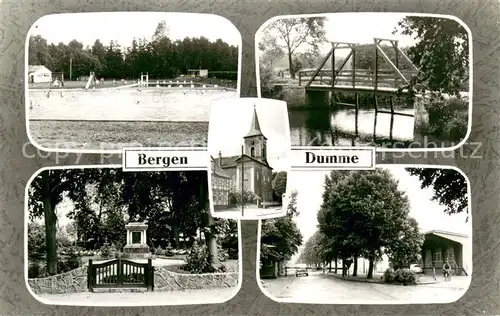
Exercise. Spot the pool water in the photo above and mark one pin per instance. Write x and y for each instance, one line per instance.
(125, 104)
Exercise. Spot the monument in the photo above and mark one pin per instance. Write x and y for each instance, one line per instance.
(136, 246)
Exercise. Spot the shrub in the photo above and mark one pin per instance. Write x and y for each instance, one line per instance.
(448, 118)
(198, 260)
(74, 260)
(108, 251)
(35, 270)
(236, 197)
(389, 276)
(405, 276)
(168, 252)
(222, 254)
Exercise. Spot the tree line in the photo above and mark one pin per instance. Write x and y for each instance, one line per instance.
(172, 203)
(160, 56)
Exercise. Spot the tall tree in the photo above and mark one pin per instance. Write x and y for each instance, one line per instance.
(448, 185)
(364, 213)
(441, 52)
(280, 237)
(45, 193)
(279, 184)
(161, 31)
(405, 249)
(292, 33)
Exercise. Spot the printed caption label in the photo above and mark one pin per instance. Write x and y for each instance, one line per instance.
(321, 158)
(157, 159)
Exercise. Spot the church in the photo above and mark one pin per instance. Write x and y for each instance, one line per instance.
(257, 173)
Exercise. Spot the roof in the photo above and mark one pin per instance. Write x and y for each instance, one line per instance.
(255, 126)
(218, 170)
(34, 68)
(442, 232)
(234, 161)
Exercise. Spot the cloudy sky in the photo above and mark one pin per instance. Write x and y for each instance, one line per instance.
(230, 121)
(361, 28)
(429, 214)
(124, 26)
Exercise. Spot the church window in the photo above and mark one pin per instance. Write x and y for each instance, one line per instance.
(252, 152)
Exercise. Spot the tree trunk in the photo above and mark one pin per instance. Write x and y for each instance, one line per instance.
(336, 265)
(211, 241)
(175, 231)
(290, 65)
(370, 267)
(355, 268)
(50, 226)
(210, 237)
(343, 267)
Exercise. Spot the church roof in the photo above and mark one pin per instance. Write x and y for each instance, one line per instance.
(218, 170)
(255, 126)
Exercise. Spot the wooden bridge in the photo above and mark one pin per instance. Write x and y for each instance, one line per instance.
(386, 80)
(377, 80)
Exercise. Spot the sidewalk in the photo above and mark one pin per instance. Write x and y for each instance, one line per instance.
(208, 296)
(377, 278)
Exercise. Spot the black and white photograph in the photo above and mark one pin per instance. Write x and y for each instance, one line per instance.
(385, 80)
(398, 234)
(108, 80)
(105, 237)
(249, 147)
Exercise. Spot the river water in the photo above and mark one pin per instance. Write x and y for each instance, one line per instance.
(325, 127)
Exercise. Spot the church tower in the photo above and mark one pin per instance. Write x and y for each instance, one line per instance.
(255, 141)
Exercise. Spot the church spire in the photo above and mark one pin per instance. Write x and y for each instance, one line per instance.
(255, 126)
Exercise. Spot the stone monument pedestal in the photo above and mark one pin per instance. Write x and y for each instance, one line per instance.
(136, 246)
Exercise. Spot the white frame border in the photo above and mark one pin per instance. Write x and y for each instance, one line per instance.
(100, 151)
(110, 304)
(356, 301)
(288, 169)
(442, 16)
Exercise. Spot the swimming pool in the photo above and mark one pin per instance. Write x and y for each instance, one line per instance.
(110, 119)
(126, 104)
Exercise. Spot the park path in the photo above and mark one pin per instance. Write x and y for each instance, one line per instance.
(319, 288)
(140, 298)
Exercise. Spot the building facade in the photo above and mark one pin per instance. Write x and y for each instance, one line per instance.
(221, 186)
(441, 246)
(39, 74)
(249, 170)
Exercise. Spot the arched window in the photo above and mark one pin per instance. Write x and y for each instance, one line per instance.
(264, 151)
(252, 152)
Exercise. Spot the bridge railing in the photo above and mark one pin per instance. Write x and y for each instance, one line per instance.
(358, 77)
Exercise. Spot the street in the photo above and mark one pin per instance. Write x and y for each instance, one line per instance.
(140, 298)
(319, 288)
